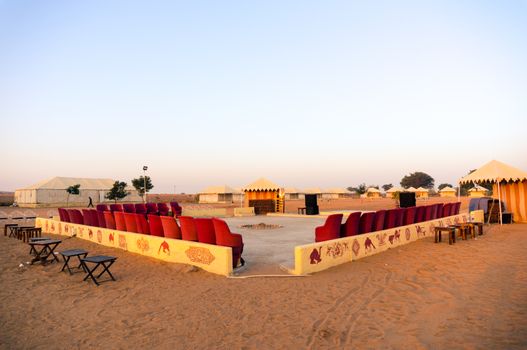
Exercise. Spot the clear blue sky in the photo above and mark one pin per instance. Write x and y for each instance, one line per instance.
(305, 93)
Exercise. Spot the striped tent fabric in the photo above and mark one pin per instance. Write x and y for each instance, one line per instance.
(514, 194)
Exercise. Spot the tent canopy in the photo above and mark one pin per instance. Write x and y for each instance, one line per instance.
(447, 189)
(337, 190)
(62, 183)
(373, 190)
(495, 171)
(395, 189)
(313, 190)
(262, 185)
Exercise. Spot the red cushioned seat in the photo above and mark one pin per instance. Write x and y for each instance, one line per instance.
(351, 226)
(330, 230)
(163, 209)
(141, 224)
(409, 216)
(170, 227)
(128, 208)
(120, 223)
(63, 214)
(151, 208)
(76, 216)
(155, 226)
(366, 222)
(176, 209)
(225, 238)
(129, 220)
(140, 208)
(102, 220)
(379, 219)
(116, 207)
(205, 230)
(109, 220)
(102, 207)
(188, 228)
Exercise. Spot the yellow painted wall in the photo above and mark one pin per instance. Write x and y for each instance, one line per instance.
(211, 258)
(314, 257)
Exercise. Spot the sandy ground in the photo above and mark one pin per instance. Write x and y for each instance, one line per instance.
(423, 295)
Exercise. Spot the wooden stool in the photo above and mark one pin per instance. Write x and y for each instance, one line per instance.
(463, 228)
(438, 231)
(479, 225)
(8, 226)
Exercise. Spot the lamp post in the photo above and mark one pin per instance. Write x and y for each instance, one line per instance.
(145, 168)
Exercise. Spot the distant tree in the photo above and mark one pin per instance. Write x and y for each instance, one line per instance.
(139, 185)
(360, 189)
(386, 187)
(72, 190)
(417, 179)
(118, 191)
(374, 186)
(440, 187)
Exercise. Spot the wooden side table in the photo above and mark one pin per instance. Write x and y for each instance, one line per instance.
(438, 231)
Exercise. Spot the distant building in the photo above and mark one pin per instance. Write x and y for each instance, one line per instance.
(421, 192)
(477, 191)
(372, 192)
(336, 193)
(52, 192)
(392, 192)
(292, 193)
(447, 192)
(220, 194)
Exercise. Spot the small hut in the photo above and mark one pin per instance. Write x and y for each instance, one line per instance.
(447, 192)
(265, 196)
(477, 191)
(220, 194)
(372, 192)
(392, 192)
(421, 192)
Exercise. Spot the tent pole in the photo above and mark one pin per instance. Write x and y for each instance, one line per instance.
(499, 204)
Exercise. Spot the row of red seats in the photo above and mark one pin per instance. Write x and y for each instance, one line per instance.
(203, 230)
(358, 223)
(140, 208)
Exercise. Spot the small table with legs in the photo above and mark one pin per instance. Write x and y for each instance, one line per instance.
(43, 249)
(68, 254)
(451, 233)
(105, 261)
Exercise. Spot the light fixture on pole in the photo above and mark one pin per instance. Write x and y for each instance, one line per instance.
(145, 168)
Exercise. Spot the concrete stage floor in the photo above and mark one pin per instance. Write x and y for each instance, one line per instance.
(266, 250)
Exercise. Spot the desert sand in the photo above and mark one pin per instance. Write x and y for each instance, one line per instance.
(423, 295)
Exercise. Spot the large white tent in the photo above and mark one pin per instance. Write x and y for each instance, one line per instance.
(52, 192)
(510, 184)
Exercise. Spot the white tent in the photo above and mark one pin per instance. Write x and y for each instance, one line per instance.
(220, 194)
(336, 192)
(52, 192)
(496, 172)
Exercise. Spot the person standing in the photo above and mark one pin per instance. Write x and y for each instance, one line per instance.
(91, 202)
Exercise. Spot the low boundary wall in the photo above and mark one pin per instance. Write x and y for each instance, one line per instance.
(320, 256)
(211, 258)
(209, 212)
